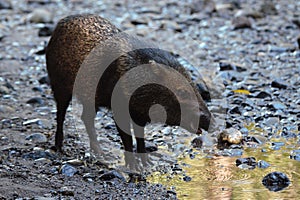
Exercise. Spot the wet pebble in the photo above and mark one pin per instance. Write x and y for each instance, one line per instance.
(279, 84)
(37, 138)
(187, 178)
(231, 136)
(111, 175)
(68, 170)
(74, 162)
(40, 16)
(246, 163)
(295, 154)
(37, 154)
(268, 8)
(46, 31)
(276, 181)
(67, 191)
(38, 89)
(197, 142)
(263, 164)
(35, 101)
(262, 95)
(6, 109)
(44, 80)
(42, 2)
(5, 4)
(241, 22)
(227, 65)
(4, 90)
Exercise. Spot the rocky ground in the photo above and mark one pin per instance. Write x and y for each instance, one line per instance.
(246, 51)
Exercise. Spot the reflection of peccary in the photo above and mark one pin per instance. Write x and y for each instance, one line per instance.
(75, 43)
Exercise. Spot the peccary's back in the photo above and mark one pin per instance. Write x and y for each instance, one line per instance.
(72, 40)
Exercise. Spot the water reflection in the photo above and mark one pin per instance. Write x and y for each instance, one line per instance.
(218, 177)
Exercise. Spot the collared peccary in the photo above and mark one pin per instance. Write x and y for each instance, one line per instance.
(92, 43)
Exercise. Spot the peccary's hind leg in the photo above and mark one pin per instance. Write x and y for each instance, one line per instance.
(88, 117)
(62, 103)
(140, 142)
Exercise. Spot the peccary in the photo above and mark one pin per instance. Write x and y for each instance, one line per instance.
(91, 54)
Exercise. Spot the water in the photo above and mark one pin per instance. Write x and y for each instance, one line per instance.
(218, 177)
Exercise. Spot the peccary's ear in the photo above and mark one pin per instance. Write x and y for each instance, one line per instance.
(158, 69)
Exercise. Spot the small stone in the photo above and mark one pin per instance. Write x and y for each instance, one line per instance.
(35, 100)
(46, 31)
(197, 142)
(206, 6)
(241, 22)
(37, 138)
(230, 135)
(44, 80)
(40, 16)
(68, 170)
(37, 89)
(279, 84)
(37, 154)
(276, 181)
(6, 109)
(5, 4)
(31, 122)
(67, 191)
(111, 175)
(263, 164)
(295, 154)
(277, 106)
(227, 65)
(268, 8)
(187, 178)
(4, 90)
(262, 95)
(74, 162)
(248, 163)
(41, 2)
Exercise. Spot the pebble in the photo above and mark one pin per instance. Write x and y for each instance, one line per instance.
(187, 178)
(295, 154)
(276, 181)
(46, 31)
(227, 65)
(67, 191)
(241, 22)
(37, 138)
(268, 8)
(37, 154)
(231, 136)
(44, 80)
(68, 170)
(6, 109)
(41, 16)
(197, 142)
(74, 162)
(111, 175)
(263, 164)
(279, 84)
(247, 163)
(5, 4)
(262, 95)
(4, 90)
(35, 101)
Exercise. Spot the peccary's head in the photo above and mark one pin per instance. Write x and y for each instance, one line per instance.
(174, 90)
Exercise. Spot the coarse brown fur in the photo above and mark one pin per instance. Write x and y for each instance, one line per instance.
(74, 44)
